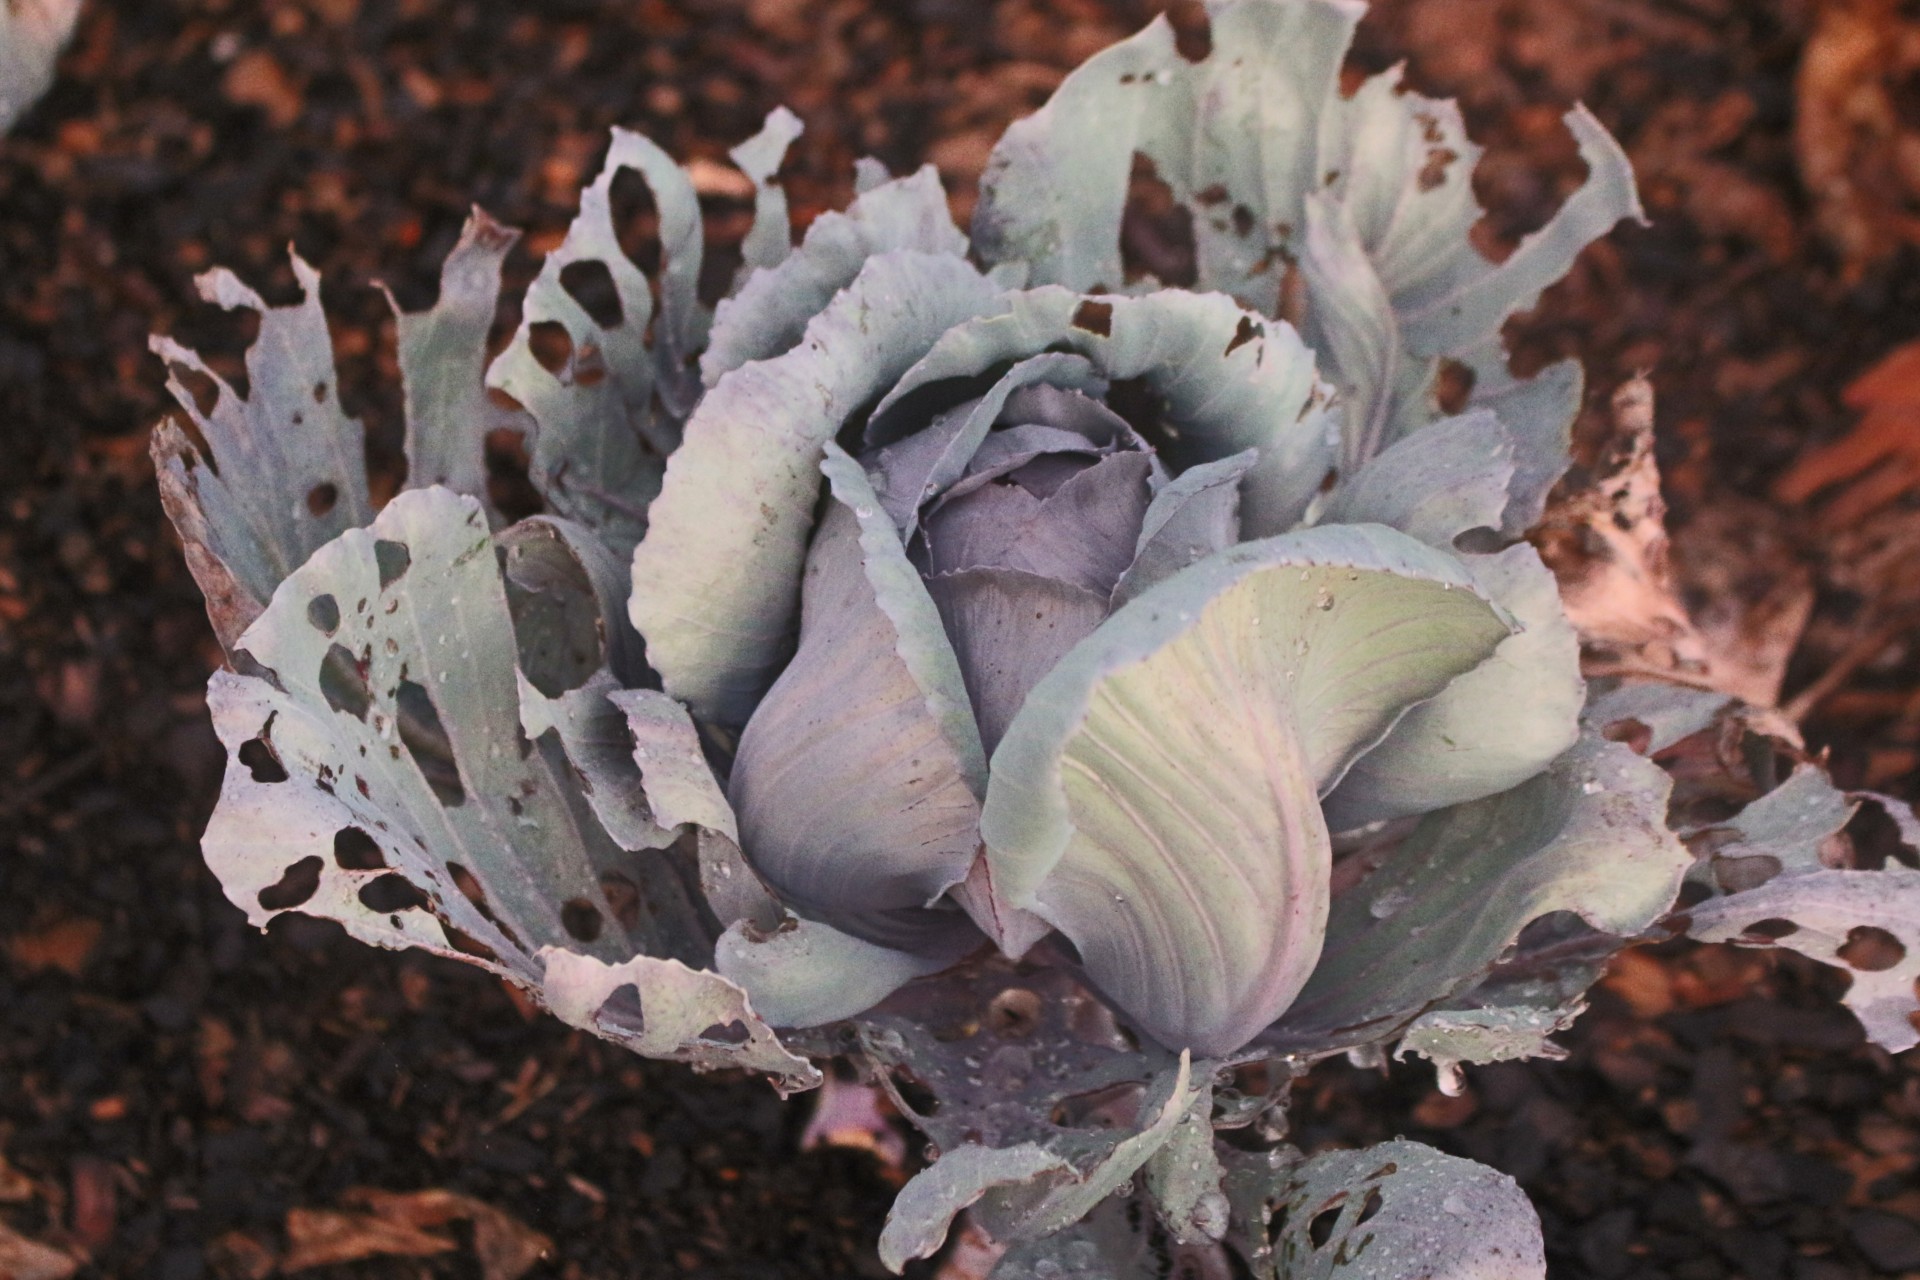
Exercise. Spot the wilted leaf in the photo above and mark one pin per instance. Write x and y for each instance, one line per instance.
(1866, 922)
(1156, 799)
(325, 1238)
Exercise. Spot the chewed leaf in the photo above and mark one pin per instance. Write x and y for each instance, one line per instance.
(374, 775)
(567, 594)
(1497, 1033)
(857, 780)
(1866, 922)
(1668, 713)
(1235, 134)
(1157, 798)
(1789, 830)
(1034, 1189)
(715, 583)
(1538, 413)
(286, 471)
(1387, 1212)
(1588, 836)
(806, 974)
(663, 1009)
(1459, 308)
(773, 309)
(1227, 381)
(1491, 729)
(443, 364)
(770, 239)
(609, 408)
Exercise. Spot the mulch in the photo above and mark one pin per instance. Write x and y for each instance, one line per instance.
(174, 1084)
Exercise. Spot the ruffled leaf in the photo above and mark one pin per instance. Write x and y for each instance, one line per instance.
(1227, 381)
(770, 239)
(857, 780)
(774, 308)
(1156, 799)
(716, 582)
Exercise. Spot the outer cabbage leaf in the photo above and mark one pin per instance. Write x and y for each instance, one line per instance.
(605, 420)
(1866, 922)
(374, 778)
(1031, 1190)
(443, 365)
(286, 468)
(716, 582)
(1494, 727)
(1387, 1212)
(1588, 836)
(771, 312)
(1156, 799)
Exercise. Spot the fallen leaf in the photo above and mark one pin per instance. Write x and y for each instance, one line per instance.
(505, 1247)
(1852, 137)
(64, 945)
(323, 1237)
(24, 1259)
(1879, 460)
(96, 1201)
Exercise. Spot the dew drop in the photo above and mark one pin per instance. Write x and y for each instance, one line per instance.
(1389, 902)
(1449, 1079)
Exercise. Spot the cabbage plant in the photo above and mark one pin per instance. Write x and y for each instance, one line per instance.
(1082, 700)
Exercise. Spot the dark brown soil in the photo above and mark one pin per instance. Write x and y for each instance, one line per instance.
(172, 1083)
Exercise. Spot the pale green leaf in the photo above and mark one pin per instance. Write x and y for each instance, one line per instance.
(1183, 1177)
(1156, 799)
(1588, 836)
(807, 974)
(373, 740)
(1394, 1211)
(1493, 727)
(1192, 516)
(716, 582)
(1436, 484)
(770, 239)
(606, 419)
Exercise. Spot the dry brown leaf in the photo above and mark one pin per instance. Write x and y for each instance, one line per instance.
(63, 945)
(1606, 541)
(323, 1237)
(505, 1247)
(1879, 460)
(24, 1259)
(1857, 149)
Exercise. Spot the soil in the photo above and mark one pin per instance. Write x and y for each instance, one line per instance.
(174, 1084)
